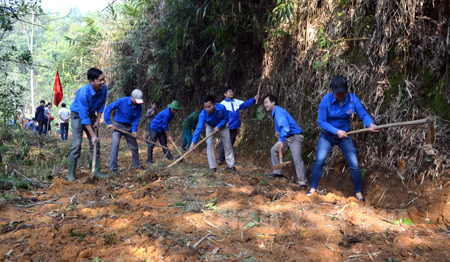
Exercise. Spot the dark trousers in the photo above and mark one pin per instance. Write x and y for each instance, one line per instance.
(64, 130)
(154, 135)
(233, 134)
(42, 123)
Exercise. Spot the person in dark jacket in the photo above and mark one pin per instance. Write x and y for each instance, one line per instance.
(40, 117)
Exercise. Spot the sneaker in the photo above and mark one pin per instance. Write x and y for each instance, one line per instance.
(232, 169)
(275, 175)
(361, 199)
(150, 163)
(309, 193)
(141, 168)
(213, 170)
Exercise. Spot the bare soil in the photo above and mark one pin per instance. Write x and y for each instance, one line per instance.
(189, 214)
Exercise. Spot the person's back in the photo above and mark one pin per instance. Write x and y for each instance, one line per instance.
(30, 125)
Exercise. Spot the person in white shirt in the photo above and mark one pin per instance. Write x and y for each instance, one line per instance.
(64, 115)
(48, 118)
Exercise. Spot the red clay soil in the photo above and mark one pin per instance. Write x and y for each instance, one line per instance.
(188, 214)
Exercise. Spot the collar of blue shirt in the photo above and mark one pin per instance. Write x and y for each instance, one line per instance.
(273, 112)
(346, 99)
(93, 93)
(228, 100)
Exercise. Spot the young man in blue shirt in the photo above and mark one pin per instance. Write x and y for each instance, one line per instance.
(86, 111)
(289, 135)
(128, 114)
(233, 106)
(216, 117)
(159, 129)
(335, 111)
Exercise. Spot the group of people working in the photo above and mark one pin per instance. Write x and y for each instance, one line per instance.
(219, 118)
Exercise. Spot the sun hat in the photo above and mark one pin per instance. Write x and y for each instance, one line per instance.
(138, 95)
(175, 105)
(339, 85)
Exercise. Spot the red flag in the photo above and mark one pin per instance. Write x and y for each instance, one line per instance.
(58, 90)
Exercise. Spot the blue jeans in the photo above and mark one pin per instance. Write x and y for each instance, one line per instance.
(326, 142)
(64, 130)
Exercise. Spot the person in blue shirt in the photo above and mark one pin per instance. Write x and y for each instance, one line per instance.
(128, 114)
(86, 111)
(233, 106)
(159, 129)
(289, 135)
(335, 111)
(30, 125)
(216, 117)
(40, 117)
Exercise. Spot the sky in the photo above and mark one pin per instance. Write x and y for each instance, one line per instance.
(64, 6)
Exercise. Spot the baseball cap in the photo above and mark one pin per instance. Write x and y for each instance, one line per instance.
(138, 95)
(339, 85)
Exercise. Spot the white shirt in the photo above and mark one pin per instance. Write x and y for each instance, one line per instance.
(64, 113)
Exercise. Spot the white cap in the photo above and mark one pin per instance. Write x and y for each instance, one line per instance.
(138, 95)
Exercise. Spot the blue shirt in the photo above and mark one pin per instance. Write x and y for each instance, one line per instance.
(233, 106)
(30, 125)
(161, 121)
(126, 112)
(333, 117)
(219, 118)
(284, 123)
(87, 102)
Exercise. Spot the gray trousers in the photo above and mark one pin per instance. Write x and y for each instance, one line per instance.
(77, 136)
(294, 143)
(225, 136)
(132, 144)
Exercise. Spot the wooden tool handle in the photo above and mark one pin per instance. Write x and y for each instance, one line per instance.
(190, 150)
(408, 123)
(176, 147)
(280, 152)
(146, 140)
(94, 154)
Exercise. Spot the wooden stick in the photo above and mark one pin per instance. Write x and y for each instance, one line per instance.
(176, 147)
(408, 123)
(149, 141)
(17, 228)
(190, 150)
(280, 155)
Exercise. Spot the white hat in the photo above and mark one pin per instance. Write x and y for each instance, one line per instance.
(137, 94)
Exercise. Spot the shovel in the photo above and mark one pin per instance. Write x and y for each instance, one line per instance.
(151, 142)
(281, 164)
(190, 150)
(90, 179)
(431, 137)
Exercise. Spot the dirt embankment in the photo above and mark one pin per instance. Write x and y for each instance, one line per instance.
(188, 214)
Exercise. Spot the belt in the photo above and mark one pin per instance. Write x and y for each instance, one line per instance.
(125, 124)
(294, 135)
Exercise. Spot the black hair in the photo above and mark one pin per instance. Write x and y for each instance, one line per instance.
(272, 99)
(226, 89)
(49, 104)
(209, 98)
(93, 73)
(42, 101)
(63, 104)
(34, 119)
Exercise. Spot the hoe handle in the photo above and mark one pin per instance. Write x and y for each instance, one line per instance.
(190, 150)
(408, 123)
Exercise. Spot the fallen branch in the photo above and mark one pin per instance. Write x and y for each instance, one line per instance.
(17, 228)
(200, 241)
(31, 181)
(40, 203)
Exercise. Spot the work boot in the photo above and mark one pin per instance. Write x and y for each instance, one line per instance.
(97, 168)
(72, 167)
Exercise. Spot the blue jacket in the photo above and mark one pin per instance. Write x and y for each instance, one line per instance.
(333, 117)
(87, 102)
(126, 112)
(219, 119)
(161, 121)
(39, 114)
(284, 123)
(233, 107)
